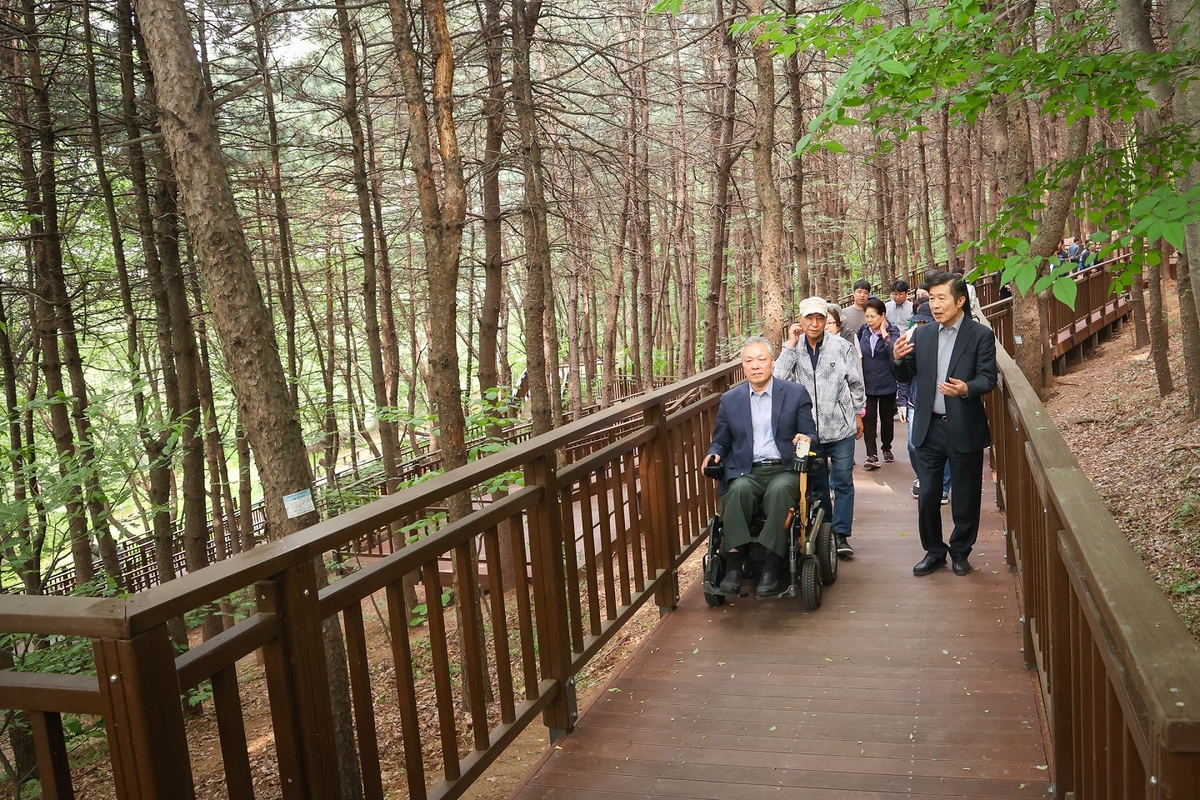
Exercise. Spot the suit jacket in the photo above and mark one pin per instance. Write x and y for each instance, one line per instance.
(973, 362)
(733, 438)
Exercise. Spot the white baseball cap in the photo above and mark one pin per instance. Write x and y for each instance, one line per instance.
(814, 305)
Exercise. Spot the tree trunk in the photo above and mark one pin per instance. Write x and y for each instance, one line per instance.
(725, 99)
(1189, 324)
(388, 440)
(489, 317)
(770, 262)
(42, 209)
(1156, 321)
(537, 244)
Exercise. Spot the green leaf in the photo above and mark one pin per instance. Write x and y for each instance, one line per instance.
(1065, 289)
(895, 68)
(833, 146)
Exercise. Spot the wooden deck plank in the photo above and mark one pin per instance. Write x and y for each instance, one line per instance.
(896, 686)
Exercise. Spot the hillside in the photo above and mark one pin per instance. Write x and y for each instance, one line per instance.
(1142, 455)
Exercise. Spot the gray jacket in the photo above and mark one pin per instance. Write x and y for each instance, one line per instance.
(837, 389)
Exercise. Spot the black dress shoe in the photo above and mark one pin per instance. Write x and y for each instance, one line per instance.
(769, 584)
(732, 582)
(930, 563)
(961, 565)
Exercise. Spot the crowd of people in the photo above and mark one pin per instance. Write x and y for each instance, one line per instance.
(852, 373)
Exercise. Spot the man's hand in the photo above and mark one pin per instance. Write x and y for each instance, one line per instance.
(858, 427)
(800, 437)
(953, 387)
(711, 458)
(794, 334)
(901, 348)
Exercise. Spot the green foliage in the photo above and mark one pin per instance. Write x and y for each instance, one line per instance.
(961, 59)
(420, 612)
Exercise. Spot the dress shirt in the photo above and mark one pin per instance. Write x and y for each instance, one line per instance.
(947, 336)
(760, 423)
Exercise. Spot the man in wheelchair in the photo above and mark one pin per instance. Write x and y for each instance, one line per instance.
(759, 423)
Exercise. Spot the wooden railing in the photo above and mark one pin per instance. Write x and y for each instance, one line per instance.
(639, 498)
(1096, 308)
(137, 555)
(1119, 671)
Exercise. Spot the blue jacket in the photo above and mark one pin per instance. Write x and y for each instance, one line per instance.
(878, 372)
(733, 439)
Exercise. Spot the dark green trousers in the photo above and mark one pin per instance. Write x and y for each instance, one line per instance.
(776, 491)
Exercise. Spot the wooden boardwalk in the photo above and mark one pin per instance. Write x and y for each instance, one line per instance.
(897, 686)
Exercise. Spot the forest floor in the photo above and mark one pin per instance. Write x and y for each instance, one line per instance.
(1142, 455)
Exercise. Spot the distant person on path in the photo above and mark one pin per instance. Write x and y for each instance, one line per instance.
(759, 423)
(899, 313)
(899, 308)
(875, 344)
(828, 367)
(854, 316)
(972, 306)
(833, 320)
(953, 364)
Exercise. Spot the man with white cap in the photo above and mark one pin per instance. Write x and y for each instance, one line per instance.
(828, 367)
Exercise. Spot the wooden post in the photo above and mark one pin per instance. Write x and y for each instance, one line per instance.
(1056, 644)
(298, 687)
(550, 595)
(657, 477)
(144, 716)
(54, 770)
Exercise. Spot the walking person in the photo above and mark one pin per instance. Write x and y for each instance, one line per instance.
(953, 364)
(920, 317)
(854, 315)
(827, 366)
(875, 344)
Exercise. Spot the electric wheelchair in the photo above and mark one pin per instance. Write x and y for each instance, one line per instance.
(812, 549)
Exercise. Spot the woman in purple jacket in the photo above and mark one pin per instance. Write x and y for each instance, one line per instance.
(875, 344)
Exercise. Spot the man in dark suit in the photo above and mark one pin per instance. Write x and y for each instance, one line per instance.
(952, 364)
(759, 424)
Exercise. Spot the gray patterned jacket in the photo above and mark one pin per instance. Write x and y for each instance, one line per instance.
(837, 389)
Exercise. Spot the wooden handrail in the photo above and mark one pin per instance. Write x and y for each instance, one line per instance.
(591, 544)
(1117, 666)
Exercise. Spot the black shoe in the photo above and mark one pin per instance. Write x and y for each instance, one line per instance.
(961, 565)
(929, 564)
(844, 550)
(769, 584)
(945, 498)
(888, 458)
(732, 582)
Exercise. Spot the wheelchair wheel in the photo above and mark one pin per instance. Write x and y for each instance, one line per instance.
(810, 584)
(714, 564)
(826, 551)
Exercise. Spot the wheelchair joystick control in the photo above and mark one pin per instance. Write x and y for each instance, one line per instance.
(802, 458)
(715, 470)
